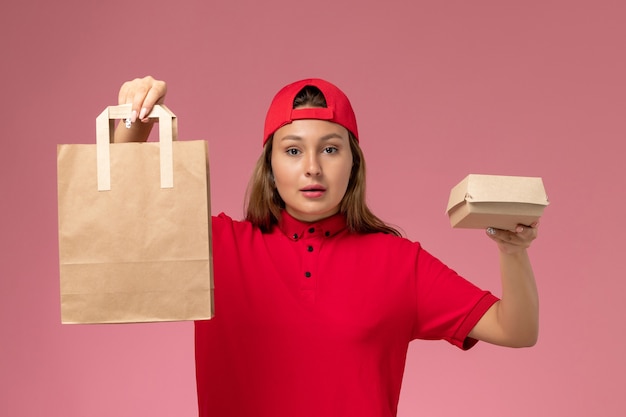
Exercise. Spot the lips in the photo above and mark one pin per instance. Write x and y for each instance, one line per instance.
(313, 191)
(313, 187)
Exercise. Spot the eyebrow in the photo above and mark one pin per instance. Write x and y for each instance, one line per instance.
(323, 138)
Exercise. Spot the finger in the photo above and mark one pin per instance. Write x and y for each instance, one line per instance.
(511, 239)
(491, 231)
(501, 235)
(127, 94)
(137, 96)
(527, 232)
(520, 228)
(141, 94)
(121, 95)
(133, 93)
(155, 95)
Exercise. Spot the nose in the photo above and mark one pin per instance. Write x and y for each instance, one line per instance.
(313, 167)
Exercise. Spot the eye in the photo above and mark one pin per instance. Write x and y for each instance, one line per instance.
(330, 149)
(293, 151)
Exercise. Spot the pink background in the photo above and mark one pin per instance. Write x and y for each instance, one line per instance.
(441, 89)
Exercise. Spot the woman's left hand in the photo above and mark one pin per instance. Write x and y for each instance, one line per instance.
(511, 242)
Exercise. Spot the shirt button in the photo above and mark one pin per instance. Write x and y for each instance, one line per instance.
(310, 248)
(307, 274)
(327, 233)
(295, 236)
(311, 230)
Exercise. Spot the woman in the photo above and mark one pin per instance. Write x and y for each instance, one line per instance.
(316, 299)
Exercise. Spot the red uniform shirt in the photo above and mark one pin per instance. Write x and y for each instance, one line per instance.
(312, 320)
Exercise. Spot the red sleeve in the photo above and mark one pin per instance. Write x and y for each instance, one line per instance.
(448, 306)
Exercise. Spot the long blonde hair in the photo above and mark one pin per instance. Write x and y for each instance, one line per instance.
(264, 204)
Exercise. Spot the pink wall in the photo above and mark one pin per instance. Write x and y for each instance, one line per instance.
(441, 89)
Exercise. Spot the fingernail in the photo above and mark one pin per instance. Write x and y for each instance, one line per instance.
(519, 229)
(133, 116)
(142, 115)
(491, 231)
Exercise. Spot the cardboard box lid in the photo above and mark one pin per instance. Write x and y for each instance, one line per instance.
(479, 188)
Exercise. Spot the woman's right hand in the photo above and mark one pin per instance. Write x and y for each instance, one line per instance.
(143, 94)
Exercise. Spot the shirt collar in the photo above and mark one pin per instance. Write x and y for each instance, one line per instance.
(295, 229)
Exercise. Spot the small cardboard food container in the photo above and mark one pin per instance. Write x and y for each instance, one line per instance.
(502, 202)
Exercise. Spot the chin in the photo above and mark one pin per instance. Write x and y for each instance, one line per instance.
(313, 215)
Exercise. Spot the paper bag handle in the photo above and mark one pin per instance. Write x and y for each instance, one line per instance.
(168, 132)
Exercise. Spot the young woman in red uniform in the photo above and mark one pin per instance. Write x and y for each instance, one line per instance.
(316, 299)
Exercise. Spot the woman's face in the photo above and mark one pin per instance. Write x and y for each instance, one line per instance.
(311, 163)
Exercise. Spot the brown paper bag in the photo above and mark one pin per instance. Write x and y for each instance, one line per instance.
(134, 227)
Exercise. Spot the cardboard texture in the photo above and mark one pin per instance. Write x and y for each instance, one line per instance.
(134, 227)
(502, 202)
